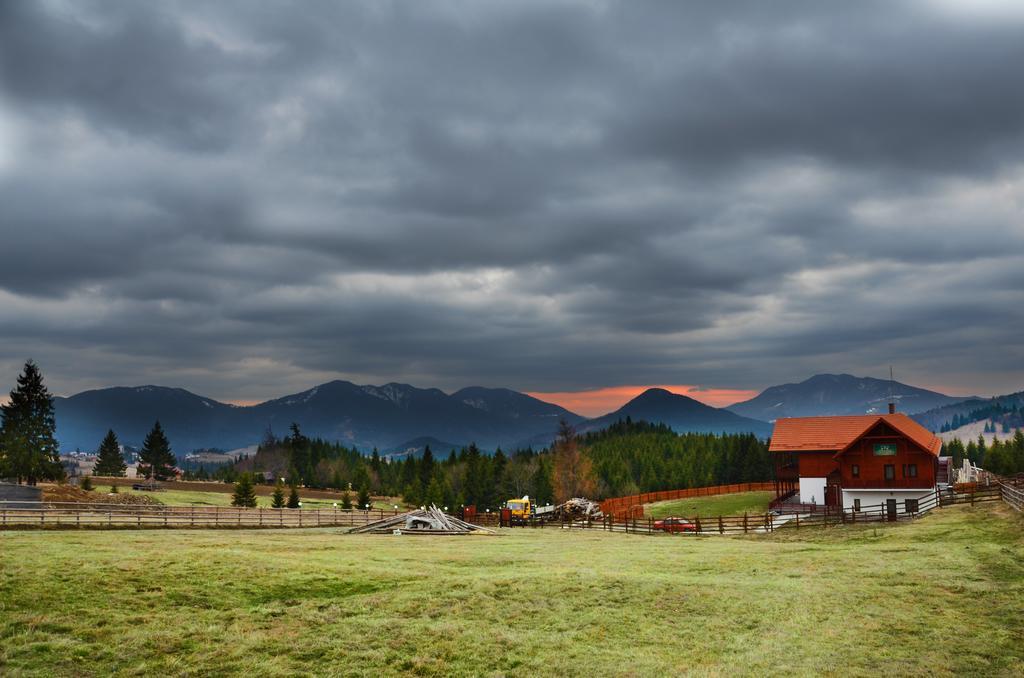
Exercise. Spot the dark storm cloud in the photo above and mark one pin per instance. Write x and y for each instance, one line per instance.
(244, 199)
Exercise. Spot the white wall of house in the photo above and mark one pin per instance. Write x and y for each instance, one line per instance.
(812, 490)
(870, 499)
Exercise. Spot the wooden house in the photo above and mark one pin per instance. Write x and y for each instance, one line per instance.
(855, 461)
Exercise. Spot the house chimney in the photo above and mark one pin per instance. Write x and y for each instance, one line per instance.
(892, 408)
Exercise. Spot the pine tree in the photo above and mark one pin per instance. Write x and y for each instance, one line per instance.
(156, 460)
(542, 493)
(245, 493)
(86, 483)
(109, 461)
(364, 497)
(346, 501)
(113, 489)
(293, 498)
(28, 444)
(435, 493)
(426, 467)
(277, 499)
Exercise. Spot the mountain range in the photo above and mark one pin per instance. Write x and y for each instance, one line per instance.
(828, 394)
(400, 419)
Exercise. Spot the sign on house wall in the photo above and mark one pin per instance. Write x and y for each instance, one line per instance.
(885, 450)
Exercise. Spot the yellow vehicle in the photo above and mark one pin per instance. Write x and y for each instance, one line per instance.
(521, 509)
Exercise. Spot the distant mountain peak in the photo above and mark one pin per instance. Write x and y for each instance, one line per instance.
(835, 394)
(681, 413)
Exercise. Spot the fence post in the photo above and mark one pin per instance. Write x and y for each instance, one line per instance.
(216, 516)
(721, 526)
(798, 521)
(744, 522)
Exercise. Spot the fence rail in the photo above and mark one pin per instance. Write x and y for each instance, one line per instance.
(68, 514)
(770, 522)
(1012, 494)
(631, 506)
(98, 515)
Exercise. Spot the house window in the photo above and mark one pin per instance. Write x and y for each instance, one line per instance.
(856, 504)
(911, 470)
(910, 506)
(855, 470)
(890, 472)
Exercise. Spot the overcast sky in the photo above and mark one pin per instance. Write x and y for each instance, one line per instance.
(246, 199)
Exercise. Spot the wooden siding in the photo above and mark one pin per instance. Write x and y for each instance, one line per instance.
(817, 464)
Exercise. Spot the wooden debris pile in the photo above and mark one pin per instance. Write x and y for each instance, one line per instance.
(579, 508)
(422, 521)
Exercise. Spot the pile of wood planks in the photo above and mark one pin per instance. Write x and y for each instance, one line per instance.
(578, 508)
(422, 521)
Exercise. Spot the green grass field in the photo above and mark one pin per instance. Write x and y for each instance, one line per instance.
(190, 498)
(941, 596)
(734, 504)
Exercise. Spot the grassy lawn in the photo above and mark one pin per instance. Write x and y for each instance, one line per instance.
(941, 596)
(737, 503)
(189, 498)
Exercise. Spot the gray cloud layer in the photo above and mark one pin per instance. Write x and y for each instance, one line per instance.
(244, 199)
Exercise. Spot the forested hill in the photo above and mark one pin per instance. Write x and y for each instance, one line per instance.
(625, 458)
(951, 417)
(631, 457)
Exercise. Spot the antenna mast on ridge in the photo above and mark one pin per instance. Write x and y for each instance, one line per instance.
(892, 401)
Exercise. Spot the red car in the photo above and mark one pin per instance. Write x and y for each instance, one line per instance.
(675, 525)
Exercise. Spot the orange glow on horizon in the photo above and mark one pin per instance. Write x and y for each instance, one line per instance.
(604, 400)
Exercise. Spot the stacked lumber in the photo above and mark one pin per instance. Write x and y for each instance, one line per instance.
(578, 508)
(422, 521)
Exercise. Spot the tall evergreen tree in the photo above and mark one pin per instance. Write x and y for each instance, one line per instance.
(28, 444)
(277, 499)
(364, 497)
(156, 460)
(426, 467)
(245, 493)
(109, 461)
(293, 498)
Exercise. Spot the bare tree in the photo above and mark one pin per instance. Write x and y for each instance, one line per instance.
(573, 471)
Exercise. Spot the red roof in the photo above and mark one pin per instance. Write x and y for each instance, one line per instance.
(806, 434)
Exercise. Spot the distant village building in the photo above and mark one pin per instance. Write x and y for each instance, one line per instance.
(856, 461)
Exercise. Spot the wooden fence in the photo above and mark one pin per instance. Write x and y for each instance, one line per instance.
(98, 515)
(632, 507)
(57, 514)
(1012, 493)
(770, 522)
